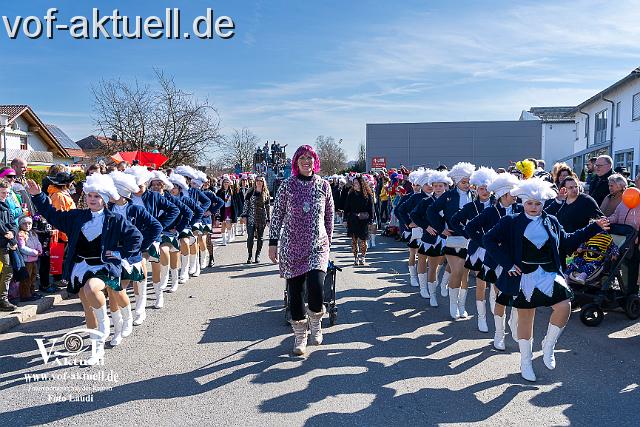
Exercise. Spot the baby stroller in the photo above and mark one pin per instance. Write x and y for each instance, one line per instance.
(613, 285)
(328, 290)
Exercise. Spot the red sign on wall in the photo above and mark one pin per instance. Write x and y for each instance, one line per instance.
(378, 162)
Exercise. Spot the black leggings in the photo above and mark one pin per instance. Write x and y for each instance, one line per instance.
(314, 280)
(254, 232)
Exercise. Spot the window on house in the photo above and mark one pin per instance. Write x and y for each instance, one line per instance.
(601, 127)
(586, 129)
(635, 111)
(576, 131)
(23, 143)
(624, 158)
(618, 107)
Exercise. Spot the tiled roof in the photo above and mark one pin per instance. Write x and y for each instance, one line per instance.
(62, 137)
(94, 142)
(552, 114)
(12, 110)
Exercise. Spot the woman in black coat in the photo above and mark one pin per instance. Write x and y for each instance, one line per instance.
(573, 209)
(359, 213)
(228, 212)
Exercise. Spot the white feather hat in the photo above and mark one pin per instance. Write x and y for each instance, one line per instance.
(534, 189)
(200, 178)
(461, 170)
(161, 176)
(482, 177)
(425, 177)
(440, 176)
(415, 175)
(125, 183)
(141, 173)
(187, 171)
(103, 185)
(503, 183)
(179, 181)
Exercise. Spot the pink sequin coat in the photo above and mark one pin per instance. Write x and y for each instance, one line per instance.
(302, 221)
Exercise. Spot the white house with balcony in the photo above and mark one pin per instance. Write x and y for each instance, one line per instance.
(558, 132)
(26, 136)
(609, 123)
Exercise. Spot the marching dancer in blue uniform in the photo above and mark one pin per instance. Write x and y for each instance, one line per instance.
(456, 245)
(476, 229)
(431, 246)
(98, 242)
(480, 179)
(132, 270)
(402, 212)
(527, 246)
(208, 221)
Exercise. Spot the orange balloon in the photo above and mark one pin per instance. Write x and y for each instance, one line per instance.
(631, 197)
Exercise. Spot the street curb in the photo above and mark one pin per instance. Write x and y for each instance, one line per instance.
(29, 311)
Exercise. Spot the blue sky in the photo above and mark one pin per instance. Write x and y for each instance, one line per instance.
(299, 69)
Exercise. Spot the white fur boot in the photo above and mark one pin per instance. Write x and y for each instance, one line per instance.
(127, 321)
(184, 268)
(444, 284)
(482, 316)
(117, 328)
(526, 360)
(141, 302)
(453, 302)
(424, 288)
(175, 280)
(498, 338)
(413, 273)
(462, 303)
(164, 277)
(159, 296)
(549, 345)
(433, 292)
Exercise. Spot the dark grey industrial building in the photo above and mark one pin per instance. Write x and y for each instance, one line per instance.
(493, 144)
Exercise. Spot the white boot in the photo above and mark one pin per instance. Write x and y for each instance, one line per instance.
(373, 240)
(444, 284)
(204, 259)
(300, 335)
(164, 277)
(104, 325)
(175, 280)
(549, 345)
(224, 239)
(482, 316)
(184, 269)
(315, 326)
(526, 363)
(197, 272)
(498, 338)
(513, 324)
(159, 296)
(433, 292)
(98, 355)
(141, 303)
(127, 321)
(413, 273)
(453, 302)
(117, 328)
(193, 264)
(462, 303)
(492, 298)
(424, 288)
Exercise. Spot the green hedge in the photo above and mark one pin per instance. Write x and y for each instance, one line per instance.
(37, 176)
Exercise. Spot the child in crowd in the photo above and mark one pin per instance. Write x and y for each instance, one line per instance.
(31, 249)
(590, 256)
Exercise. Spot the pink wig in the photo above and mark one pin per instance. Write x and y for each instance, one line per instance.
(302, 150)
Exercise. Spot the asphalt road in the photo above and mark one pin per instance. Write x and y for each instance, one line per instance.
(219, 354)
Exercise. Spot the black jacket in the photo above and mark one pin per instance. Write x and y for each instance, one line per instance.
(576, 215)
(449, 204)
(599, 187)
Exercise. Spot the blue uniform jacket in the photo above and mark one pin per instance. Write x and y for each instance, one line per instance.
(463, 216)
(185, 214)
(160, 208)
(148, 226)
(119, 236)
(404, 208)
(216, 205)
(504, 243)
(449, 204)
(195, 208)
(403, 227)
(199, 196)
(419, 216)
(481, 224)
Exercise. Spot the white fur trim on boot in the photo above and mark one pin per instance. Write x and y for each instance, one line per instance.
(424, 288)
(498, 338)
(413, 274)
(433, 292)
(175, 280)
(526, 360)
(300, 336)
(159, 296)
(513, 324)
(492, 298)
(549, 345)
(444, 284)
(104, 325)
(453, 302)
(462, 303)
(481, 306)
(315, 326)
(164, 277)
(127, 321)
(184, 269)
(141, 303)
(117, 328)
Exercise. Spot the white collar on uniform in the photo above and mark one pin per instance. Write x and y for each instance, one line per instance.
(535, 231)
(93, 228)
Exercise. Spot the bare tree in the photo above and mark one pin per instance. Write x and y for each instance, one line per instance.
(332, 155)
(361, 164)
(239, 147)
(163, 117)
